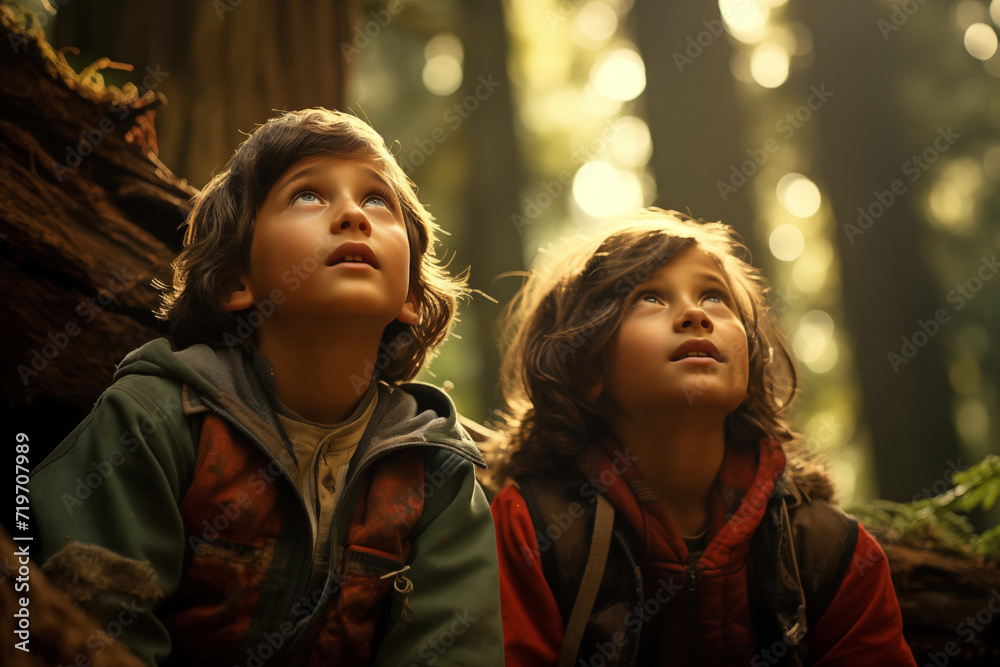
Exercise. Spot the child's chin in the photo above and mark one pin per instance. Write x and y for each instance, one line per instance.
(722, 400)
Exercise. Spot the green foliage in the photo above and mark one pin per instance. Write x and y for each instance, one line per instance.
(938, 523)
(978, 486)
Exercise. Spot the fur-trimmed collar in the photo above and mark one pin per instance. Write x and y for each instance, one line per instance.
(807, 474)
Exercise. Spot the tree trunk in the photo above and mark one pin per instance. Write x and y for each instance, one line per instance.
(887, 286)
(225, 66)
(490, 244)
(694, 116)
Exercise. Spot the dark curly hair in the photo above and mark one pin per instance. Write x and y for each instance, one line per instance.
(569, 310)
(221, 224)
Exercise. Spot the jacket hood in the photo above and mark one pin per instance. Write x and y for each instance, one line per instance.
(234, 378)
(241, 381)
(190, 366)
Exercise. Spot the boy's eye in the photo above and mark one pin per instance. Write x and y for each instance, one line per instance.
(649, 297)
(305, 194)
(716, 296)
(383, 198)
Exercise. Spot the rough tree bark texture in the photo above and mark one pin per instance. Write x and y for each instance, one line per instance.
(89, 219)
(950, 605)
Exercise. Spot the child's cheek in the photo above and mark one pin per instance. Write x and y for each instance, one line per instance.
(307, 213)
(738, 351)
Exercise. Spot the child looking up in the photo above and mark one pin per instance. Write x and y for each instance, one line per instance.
(661, 512)
(266, 489)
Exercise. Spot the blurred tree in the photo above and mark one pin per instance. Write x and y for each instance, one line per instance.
(490, 242)
(225, 66)
(888, 290)
(693, 112)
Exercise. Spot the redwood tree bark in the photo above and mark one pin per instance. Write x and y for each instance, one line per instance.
(89, 219)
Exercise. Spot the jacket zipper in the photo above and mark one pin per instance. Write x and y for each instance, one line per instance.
(325, 597)
(691, 617)
(363, 465)
(304, 571)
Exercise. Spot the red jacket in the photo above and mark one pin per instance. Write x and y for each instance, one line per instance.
(861, 626)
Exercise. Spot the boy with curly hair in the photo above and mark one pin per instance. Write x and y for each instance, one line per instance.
(269, 489)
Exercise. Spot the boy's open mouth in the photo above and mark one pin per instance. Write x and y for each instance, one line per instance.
(694, 348)
(353, 252)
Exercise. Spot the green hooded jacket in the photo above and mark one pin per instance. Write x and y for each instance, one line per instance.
(113, 506)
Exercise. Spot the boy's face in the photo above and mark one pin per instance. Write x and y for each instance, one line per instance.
(330, 241)
(681, 342)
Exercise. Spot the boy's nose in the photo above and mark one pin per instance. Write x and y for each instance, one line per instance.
(694, 318)
(352, 217)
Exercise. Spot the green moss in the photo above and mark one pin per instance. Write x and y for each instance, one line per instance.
(939, 523)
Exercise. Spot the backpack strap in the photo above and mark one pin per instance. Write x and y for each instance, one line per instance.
(604, 520)
(825, 539)
(800, 553)
(570, 534)
(560, 552)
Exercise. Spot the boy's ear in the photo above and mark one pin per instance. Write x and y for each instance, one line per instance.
(239, 299)
(596, 390)
(410, 314)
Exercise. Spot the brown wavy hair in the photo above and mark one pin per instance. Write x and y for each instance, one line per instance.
(221, 224)
(561, 321)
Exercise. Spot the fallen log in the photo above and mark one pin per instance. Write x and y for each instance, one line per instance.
(89, 218)
(950, 605)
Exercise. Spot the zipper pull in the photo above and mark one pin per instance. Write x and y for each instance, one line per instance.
(404, 587)
(401, 584)
(691, 574)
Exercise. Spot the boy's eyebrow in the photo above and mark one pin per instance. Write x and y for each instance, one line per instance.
(705, 276)
(305, 171)
(380, 178)
(708, 276)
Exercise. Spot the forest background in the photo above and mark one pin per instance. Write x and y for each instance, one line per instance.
(854, 145)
